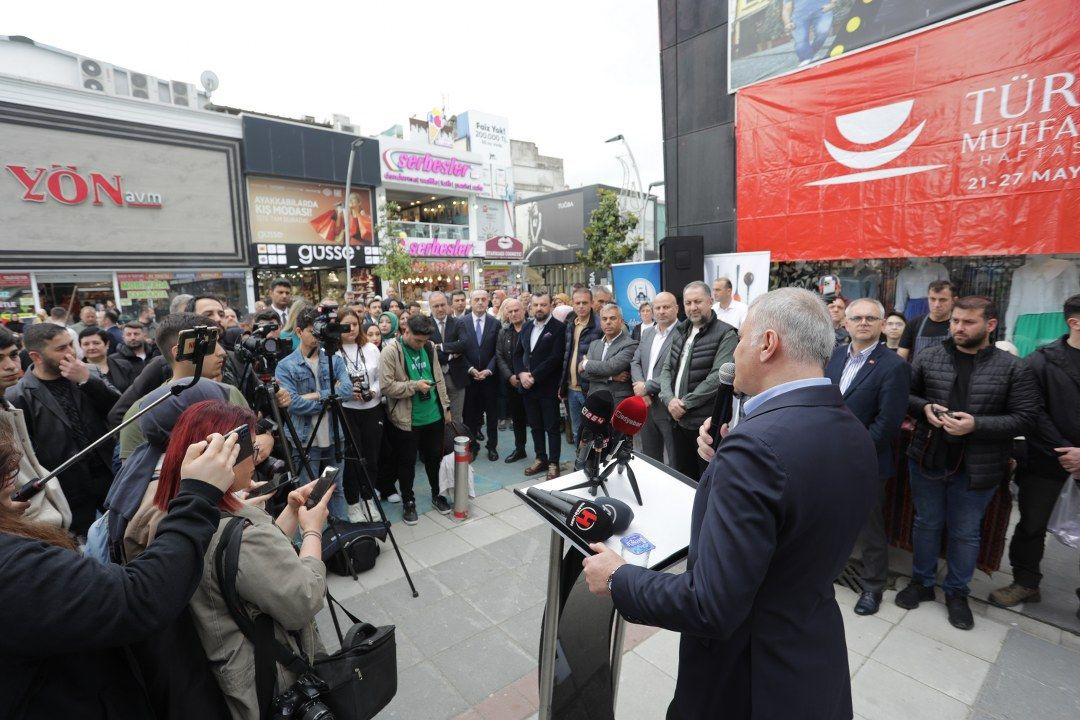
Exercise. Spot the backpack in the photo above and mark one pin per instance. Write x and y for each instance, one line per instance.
(349, 548)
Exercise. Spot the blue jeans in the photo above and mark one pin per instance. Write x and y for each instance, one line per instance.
(320, 458)
(808, 20)
(577, 401)
(943, 500)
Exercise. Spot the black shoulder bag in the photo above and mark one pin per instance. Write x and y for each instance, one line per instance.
(354, 683)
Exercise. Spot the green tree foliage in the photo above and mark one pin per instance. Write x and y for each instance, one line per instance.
(396, 261)
(606, 240)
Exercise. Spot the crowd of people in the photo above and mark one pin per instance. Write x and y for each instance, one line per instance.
(476, 363)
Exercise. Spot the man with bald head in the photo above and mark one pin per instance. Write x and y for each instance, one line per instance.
(481, 333)
(655, 438)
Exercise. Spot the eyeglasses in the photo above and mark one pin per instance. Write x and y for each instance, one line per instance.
(857, 319)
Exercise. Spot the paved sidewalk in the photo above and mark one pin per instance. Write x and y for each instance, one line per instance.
(467, 647)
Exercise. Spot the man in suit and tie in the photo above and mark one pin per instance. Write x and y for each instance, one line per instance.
(538, 364)
(606, 364)
(775, 517)
(874, 382)
(649, 358)
(480, 335)
(450, 346)
(281, 299)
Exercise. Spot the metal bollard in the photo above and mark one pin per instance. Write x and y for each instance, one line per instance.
(462, 457)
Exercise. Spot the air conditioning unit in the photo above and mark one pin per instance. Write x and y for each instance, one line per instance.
(344, 124)
(140, 85)
(105, 78)
(180, 94)
(93, 75)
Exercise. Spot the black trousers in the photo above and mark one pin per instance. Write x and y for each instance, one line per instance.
(367, 427)
(482, 399)
(425, 441)
(875, 544)
(1038, 495)
(542, 412)
(516, 407)
(686, 460)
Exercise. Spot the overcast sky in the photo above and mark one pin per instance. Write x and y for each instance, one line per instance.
(567, 74)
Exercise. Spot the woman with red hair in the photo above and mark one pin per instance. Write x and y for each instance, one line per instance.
(272, 579)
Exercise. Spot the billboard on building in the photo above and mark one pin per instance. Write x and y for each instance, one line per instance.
(428, 168)
(308, 213)
(767, 38)
(489, 137)
(964, 140)
(556, 223)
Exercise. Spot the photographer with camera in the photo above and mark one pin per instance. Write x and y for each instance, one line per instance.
(305, 375)
(273, 579)
(364, 411)
(68, 617)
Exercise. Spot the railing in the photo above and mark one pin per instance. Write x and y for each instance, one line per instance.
(434, 231)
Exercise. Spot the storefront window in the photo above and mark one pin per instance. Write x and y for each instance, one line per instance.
(158, 289)
(16, 298)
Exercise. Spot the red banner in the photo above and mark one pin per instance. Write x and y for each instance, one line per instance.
(964, 140)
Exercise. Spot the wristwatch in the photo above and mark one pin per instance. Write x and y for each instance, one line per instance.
(611, 577)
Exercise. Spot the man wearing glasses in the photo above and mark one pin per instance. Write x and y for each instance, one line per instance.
(875, 384)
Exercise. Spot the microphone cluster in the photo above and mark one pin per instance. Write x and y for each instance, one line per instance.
(593, 520)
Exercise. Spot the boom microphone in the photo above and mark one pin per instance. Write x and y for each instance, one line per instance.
(587, 519)
(722, 406)
(620, 513)
(596, 425)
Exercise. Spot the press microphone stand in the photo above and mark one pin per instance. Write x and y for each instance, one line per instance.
(32, 488)
(623, 455)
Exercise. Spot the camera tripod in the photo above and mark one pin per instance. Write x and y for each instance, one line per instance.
(331, 405)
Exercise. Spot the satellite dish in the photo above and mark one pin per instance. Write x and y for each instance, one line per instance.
(209, 81)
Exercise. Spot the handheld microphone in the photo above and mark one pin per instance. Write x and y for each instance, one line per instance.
(585, 518)
(628, 419)
(620, 513)
(723, 405)
(596, 425)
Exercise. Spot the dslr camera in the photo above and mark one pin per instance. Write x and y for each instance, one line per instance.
(303, 700)
(361, 384)
(326, 328)
(258, 345)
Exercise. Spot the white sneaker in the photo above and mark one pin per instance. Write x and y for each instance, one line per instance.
(394, 498)
(356, 512)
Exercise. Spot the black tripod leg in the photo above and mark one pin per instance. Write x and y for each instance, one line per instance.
(334, 404)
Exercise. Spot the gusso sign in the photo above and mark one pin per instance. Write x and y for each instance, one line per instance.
(66, 185)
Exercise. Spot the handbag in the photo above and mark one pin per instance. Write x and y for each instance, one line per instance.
(1065, 519)
(354, 683)
(349, 548)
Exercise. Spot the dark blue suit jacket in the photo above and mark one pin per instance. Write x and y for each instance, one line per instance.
(878, 396)
(479, 355)
(775, 518)
(545, 361)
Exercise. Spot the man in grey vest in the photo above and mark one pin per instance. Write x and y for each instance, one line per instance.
(645, 370)
(691, 376)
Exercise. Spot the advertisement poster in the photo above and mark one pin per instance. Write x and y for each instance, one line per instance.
(489, 137)
(633, 284)
(428, 167)
(491, 217)
(767, 38)
(964, 140)
(307, 213)
(555, 223)
(16, 297)
(143, 286)
(748, 273)
(503, 247)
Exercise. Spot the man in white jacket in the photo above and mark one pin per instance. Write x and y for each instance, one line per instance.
(49, 506)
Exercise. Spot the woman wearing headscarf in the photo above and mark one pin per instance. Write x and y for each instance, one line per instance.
(388, 326)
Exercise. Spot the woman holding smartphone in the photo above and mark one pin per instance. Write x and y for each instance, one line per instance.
(364, 411)
(273, 579)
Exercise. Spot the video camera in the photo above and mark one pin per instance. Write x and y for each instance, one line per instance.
(326, 327)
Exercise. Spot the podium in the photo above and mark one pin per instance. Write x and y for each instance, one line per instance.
(582, 635)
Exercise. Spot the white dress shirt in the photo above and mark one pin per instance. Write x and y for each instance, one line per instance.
(538, 328)
(684, 360)
(733, 315)
(853, 365)
(654, 352)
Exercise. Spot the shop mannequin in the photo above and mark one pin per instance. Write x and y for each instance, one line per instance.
(911, 286)
(1039, 287)
(861, 281)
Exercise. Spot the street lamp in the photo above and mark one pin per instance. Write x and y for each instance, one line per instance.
(655, 224)
(637, 175)
(347, 252)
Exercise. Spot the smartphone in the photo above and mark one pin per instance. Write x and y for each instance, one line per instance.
(243, 439)
(196, 342)
(271, 487)
(325, 482)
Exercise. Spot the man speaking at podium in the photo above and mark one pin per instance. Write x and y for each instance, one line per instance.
(775, 517)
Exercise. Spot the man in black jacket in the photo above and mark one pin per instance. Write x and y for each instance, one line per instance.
(450, 346)
(131, 356)
(65, 406)
(504, 358)
(538, 366)
(480, 334)
(691, 376)
(580, 333)
(875, 384)
(1053, 455)
(969, 400)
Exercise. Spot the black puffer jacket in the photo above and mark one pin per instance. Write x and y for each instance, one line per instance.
(714, 345)
(1059, 417)
(1002, 396)
(504, 351)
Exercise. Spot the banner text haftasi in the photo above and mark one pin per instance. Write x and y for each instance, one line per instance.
(964, 140)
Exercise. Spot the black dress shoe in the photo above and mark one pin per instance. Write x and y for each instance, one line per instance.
(868, 603)
(480, 435)
(515, 456)
(915, 593)
(959, 613)
(493, 454)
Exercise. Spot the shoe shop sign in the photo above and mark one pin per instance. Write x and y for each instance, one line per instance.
(962, 140)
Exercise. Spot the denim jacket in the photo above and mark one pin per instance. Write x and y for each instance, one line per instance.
(294, 374)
